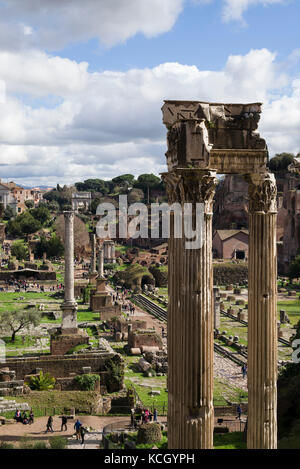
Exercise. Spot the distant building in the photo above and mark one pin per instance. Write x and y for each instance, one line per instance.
(230, 244)
(7, 198)
(15, 196)
(81, 200)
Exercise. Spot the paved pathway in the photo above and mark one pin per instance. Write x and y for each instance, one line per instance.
(229, 371)
(16, 431)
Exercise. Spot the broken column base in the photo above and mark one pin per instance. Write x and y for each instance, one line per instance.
(64, 340)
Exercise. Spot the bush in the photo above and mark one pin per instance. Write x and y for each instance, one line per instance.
(4, 445)
(19, 250)
(87, 293)
(225, 274)
(149, 433)
(114, 378)
(58, 442)
(42, 382)
(87, 382)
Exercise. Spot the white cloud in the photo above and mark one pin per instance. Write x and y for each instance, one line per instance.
(103, 124)
(233, 10)
(51, 24)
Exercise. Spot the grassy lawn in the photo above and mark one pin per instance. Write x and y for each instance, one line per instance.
(20, 341)
(233, 440)
(57, 402)
(292, 308)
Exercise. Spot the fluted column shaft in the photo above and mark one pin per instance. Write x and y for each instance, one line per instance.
(93, 254)
(262, 314)
(190, 318)
(100, 263)
(69, 256)
(69, 306)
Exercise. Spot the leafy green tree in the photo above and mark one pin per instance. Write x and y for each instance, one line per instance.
(53, 206)
(53, 247)
(1, 210)
(125, 180)
(92, 185)
(294, 270)
(42, 382)
(28, 223)
(61, 195)
(41, 213)
(16, 321)
(281, 161)
(8, 213)
(19, 250)
(29, 203)
(23, 224)
(147, 183)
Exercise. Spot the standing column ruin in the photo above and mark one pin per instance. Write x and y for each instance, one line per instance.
(93, 261)
(205, 139)
(190, 318)
(69, 306)
(262, 313)
(68, 336)
(100, 263)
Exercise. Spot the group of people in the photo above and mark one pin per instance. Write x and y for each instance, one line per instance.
(78, 427)
(24, 418)
(146, 416)
(128, 308)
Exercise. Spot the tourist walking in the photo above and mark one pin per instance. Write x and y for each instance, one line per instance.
(77, 426)
(64, 420)
(239, 412)
(49, 425)
(155, 415)
(244, 370)
(31, 418)
(83, 431)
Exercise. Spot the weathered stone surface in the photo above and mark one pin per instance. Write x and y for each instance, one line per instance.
(205, 139)
(220, 136)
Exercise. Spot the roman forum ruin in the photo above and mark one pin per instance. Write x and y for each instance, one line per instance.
(206, 139)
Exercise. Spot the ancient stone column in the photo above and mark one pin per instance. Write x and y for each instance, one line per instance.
(100, 263)
(93, 254)
(262, 314)
(69, 306)
(190, 316)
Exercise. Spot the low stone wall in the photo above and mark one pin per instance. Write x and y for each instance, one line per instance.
(58, 366)
(24, 274)
(122, 325)
(149, 338)
(106, 314)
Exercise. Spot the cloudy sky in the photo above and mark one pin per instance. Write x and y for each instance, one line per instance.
(82, 82)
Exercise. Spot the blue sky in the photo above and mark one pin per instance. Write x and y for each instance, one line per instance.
(84, 81)
(199, 37)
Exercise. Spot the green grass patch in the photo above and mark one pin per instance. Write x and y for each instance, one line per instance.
(233, 440)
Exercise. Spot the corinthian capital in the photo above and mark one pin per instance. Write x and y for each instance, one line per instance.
(69, 215)
(185, 185)
(262, 193)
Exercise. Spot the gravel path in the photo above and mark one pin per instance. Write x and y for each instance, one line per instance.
(229, 371)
